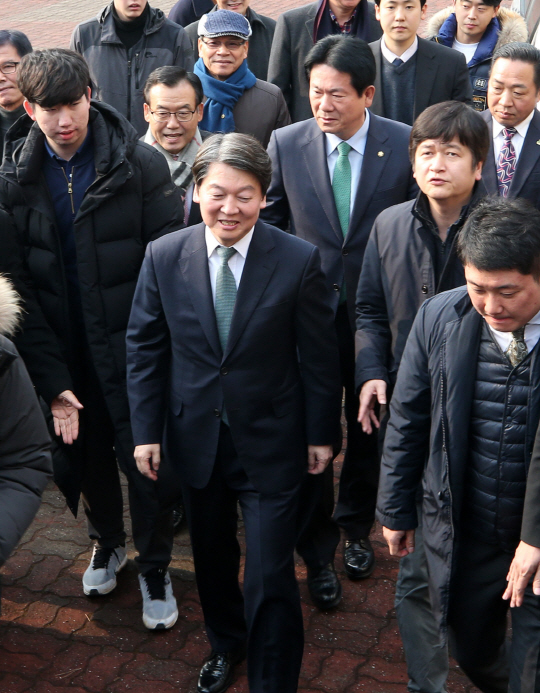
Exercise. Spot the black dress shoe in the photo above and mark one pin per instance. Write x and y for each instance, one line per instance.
(324, 587)
(359, 559)
(216, 674)
(178, 516)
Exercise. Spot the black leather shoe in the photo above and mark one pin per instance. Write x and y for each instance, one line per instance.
(324, 587)
(216, 674)
(359, 559)
(178, 516)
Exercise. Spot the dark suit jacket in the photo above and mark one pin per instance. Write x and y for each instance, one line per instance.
(441, 75)
(526, 180)
(301, 198)
(293, 39)
(178, 373)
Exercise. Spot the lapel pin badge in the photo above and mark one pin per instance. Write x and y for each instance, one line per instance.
(382, 153)
(537, 141)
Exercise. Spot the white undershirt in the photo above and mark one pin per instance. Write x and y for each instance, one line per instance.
(532, 334)
(236, 261)
(468, 49)
(517, 139)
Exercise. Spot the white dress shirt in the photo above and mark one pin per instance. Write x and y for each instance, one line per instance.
(532, 334)
(468, 49)
(517, 139)
(236, 261)
(356, 155)
(387, 53)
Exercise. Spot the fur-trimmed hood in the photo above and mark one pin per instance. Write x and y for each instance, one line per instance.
(513, 26)
(10, 307)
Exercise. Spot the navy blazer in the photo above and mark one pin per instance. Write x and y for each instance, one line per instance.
(526, 180)
(179, 379)
(301, 200)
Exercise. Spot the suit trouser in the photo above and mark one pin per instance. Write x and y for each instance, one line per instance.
(477, 622)
(269, 613)
(426, 655)
(355, 508)
(99, 448)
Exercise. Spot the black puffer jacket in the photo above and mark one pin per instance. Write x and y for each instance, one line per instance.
(131, 202)
(430, 415)
(118, 75)
(25, 458)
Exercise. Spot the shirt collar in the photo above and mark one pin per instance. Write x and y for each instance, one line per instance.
(357, 141)
(507, 335)
(85, 148)
(387, 53)
(241, 246)
(521, 128)
(151, 140)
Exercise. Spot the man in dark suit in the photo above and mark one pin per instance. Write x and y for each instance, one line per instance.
(332, 176)
(512, 168)
(296, 32)
(231, 351)
(413, 73)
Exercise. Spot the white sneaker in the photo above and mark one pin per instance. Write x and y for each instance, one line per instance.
(100, 576)
(159, 605)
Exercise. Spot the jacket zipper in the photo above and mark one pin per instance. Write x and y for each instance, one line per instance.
(447, 467)
(129, 90)
(70, 187)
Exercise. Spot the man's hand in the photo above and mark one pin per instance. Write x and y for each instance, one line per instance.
(148, 458)
(400, 541)
(372, 391)
(65, 411)
(319, 457)
(526, 562)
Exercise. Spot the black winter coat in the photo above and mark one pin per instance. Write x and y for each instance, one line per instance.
(429, 420)
(131, 202)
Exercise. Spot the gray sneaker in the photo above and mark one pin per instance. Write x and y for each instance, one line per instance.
(100, 576)
(159, 605)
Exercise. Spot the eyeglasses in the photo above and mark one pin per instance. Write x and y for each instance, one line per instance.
(181, 116)
(229, 45)
(8, 68)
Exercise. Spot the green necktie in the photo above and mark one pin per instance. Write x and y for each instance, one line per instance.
(341, 186)
(517, 349)
(225, 294)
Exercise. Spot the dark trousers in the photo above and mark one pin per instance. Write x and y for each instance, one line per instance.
(268, 614)
(355, 508)
(150, 502)
(477, 622)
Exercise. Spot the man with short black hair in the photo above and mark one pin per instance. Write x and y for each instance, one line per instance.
(13, 45)
(332, 176)
(83, 221)
(477, 28)
(122, 46)
(413, 73)
(463, 418)
(513, 164)
(411, 256)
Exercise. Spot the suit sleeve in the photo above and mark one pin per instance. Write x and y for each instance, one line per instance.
(148, 357)
(530, 524)
(462, 90)
(406, 443)
(163, 209)
(276, 211)
(280, 66)
(318, 355)
(283, 117)
(373, 336)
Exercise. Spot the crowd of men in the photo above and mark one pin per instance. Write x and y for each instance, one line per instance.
(224, 230)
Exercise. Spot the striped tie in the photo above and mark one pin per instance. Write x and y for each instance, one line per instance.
(507, 162)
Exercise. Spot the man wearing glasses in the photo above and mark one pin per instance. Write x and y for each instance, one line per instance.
(13, 45)
(235, 100)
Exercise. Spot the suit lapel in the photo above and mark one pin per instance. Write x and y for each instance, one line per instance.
(489, 171)
(528, 157)
(376, 156)
(194, 267)
(258, 268)
(378, 104)
(315, 157)
(426, 74)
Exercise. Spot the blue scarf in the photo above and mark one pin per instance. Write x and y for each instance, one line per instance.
(221, 97)
(447, 34)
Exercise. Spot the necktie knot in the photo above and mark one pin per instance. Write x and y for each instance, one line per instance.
(517, 349)
(397, 62)
(225, 254)
(509, 133)
(344, 148)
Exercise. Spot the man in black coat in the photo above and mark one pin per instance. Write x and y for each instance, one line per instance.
(305, 198)
(411, 256)
(463, 419)
(296, 33)
(85, 197)
(513, 165)
(413, 73)
(233, 369)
